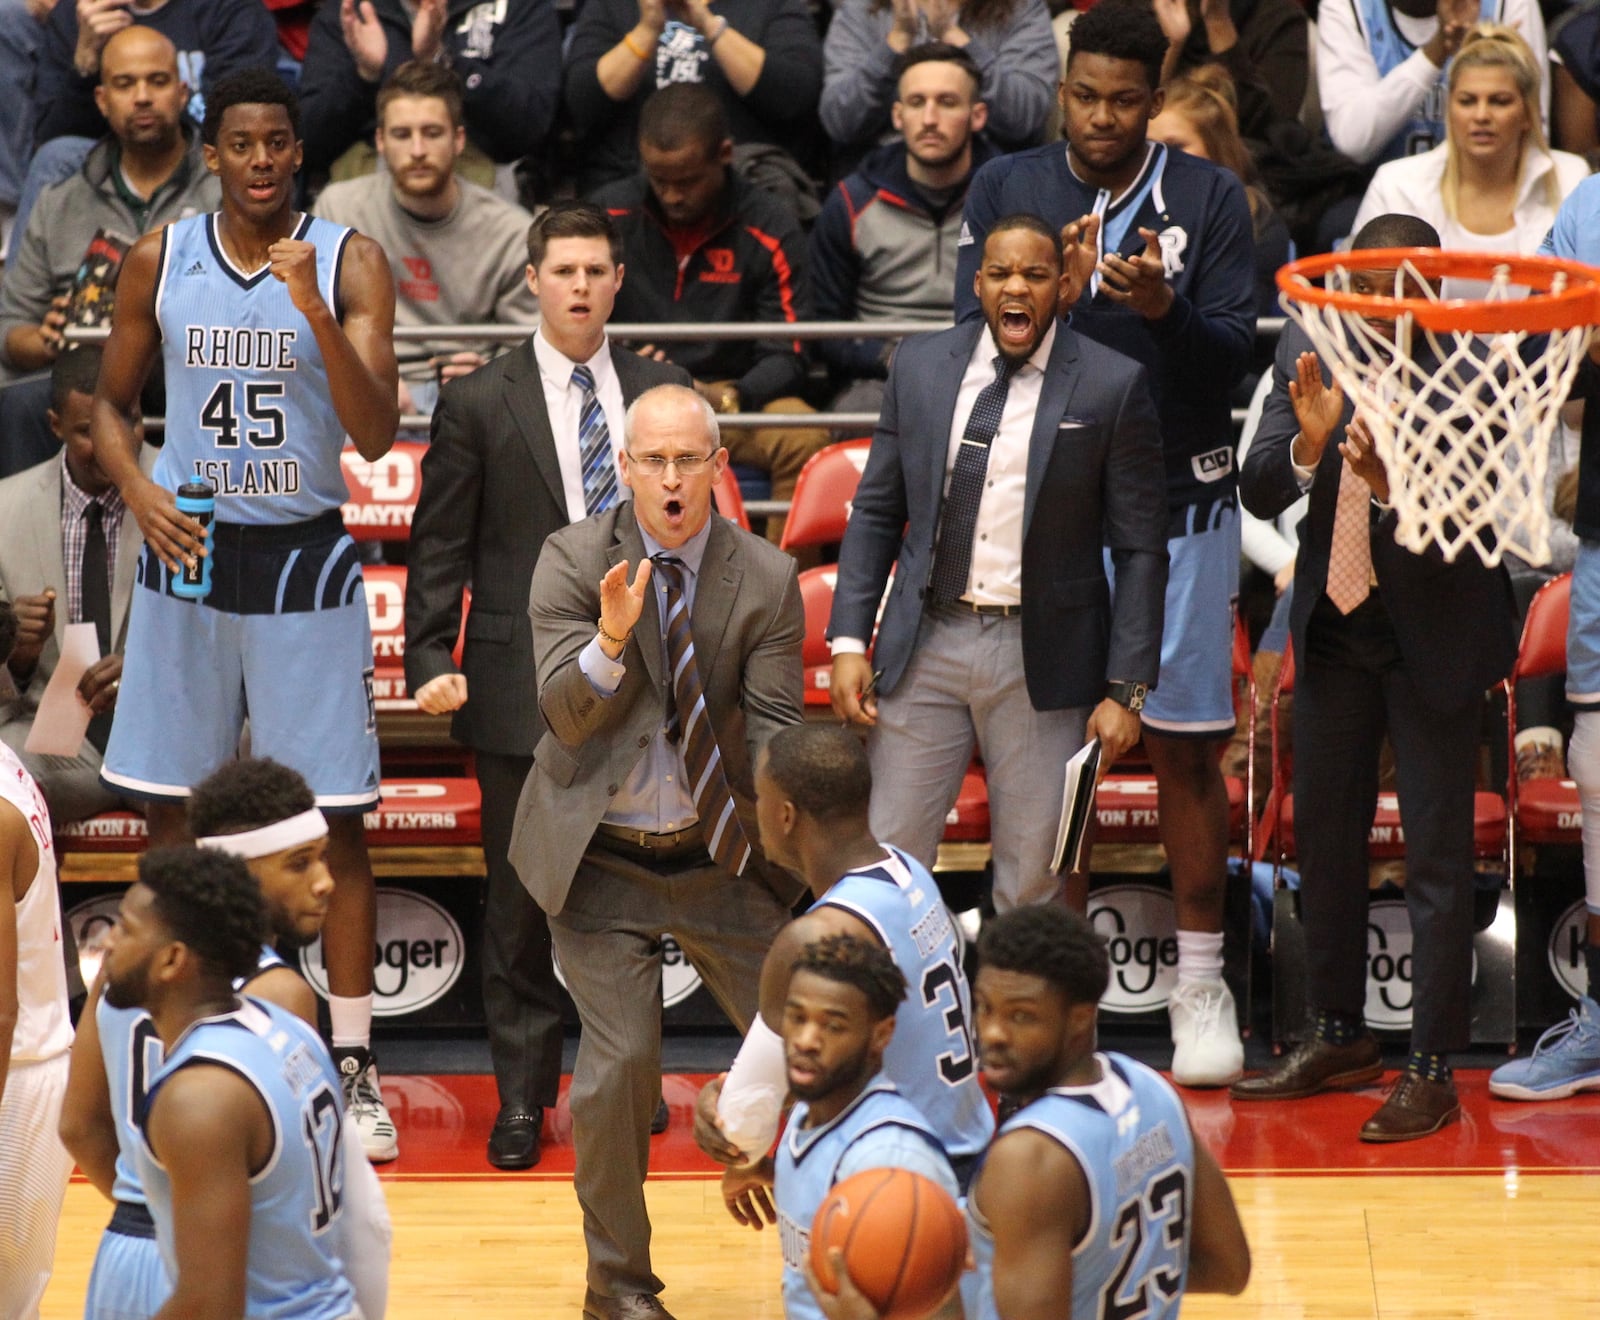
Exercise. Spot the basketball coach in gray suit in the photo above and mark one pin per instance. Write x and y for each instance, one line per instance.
(504, 470)
(660, 679)
(1008, 453)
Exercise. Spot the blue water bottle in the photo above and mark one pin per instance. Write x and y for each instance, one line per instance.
(199, 501)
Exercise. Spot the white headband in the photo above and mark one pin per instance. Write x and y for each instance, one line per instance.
(307, 827)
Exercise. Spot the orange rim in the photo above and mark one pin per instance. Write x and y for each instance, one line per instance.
(1577, 304)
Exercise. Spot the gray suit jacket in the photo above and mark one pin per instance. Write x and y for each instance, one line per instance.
(748, 625)
(491, 493)
(31, 560)
(1095, 478)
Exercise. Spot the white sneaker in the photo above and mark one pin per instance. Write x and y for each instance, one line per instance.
(1206, 1049)
(358, 1073)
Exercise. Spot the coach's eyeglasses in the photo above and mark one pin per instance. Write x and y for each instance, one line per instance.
(655, 465)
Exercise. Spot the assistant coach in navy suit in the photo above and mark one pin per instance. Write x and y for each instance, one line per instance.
(1007, 454)
(1386, 641)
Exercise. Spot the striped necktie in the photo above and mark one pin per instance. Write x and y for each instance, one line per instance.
(952, 563)
(702, 760)
(594, 447)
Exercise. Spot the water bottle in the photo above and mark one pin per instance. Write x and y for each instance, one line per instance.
(199, 501)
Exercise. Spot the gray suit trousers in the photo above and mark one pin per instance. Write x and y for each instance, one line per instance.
(608, 943)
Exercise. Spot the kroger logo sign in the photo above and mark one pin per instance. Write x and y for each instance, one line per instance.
(1139, 923)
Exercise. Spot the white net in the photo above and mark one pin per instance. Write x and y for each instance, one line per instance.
(1463, 422)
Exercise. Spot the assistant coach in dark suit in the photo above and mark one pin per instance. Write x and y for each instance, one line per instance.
(668, 649)
(504, 471)
(1008, 453)
(1385, 640)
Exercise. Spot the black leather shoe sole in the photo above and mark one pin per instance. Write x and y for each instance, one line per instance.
(660, 1120)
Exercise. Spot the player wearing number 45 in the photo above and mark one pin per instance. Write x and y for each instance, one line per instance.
(1095, 1188)
(239, 1136)
(276, 330)
(813, 784)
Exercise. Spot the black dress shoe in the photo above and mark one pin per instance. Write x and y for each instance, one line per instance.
(634, 1306)
(1415, 1108)
(514, 1141)
(659, 1121)
(1314, 1066)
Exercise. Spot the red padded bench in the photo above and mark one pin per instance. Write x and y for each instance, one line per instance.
(423, 826)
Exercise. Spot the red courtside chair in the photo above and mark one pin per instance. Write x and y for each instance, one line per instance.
(730, 503)
(1542, 811)
(823, 494)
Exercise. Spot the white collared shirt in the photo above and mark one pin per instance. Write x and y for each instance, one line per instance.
(996, 576)
(563, 403)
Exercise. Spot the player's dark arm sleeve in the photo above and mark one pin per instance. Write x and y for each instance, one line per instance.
(444, 532)
(1272, 82)
(1267, 481)
(780, 366)
(598, 28)
(981, 210)
(64, 101)
(1212, 331)
(790, 81)
(1135, 502)
(336, 103)
(877, 521)
(240, 34)
(835, 270)
(511, 100)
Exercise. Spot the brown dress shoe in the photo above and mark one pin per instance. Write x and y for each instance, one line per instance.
(634, 1306)
(1314, 1066)
(1415, 1108)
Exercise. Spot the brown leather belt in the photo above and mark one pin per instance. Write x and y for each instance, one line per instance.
(997, 611)
(643, 846)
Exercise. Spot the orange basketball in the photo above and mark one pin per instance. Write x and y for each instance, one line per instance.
(904, 1241)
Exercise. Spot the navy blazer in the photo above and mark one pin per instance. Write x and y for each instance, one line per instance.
(1455, 623)
(1095, 480)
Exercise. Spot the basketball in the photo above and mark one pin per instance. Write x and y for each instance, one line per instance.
(904, 1241)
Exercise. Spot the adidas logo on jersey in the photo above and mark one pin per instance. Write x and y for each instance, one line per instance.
(196, 269)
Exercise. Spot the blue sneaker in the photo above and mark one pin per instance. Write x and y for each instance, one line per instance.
(1565, 1061)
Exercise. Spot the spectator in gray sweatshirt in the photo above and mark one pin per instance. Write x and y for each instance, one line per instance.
(458, 251)
(1010, 41)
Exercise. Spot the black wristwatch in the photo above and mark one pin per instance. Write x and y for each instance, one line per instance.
(1128, 694)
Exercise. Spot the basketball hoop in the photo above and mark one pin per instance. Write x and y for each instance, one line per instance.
(1462, 402)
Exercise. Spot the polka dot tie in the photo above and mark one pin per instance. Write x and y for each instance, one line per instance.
(1350, 555)
(953, 563)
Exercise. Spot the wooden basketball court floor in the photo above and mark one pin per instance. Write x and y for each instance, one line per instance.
(1499, 1216)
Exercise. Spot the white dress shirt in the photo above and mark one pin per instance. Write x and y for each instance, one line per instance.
(563, 404)
(996, 574)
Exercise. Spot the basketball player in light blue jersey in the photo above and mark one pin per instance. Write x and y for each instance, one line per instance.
(263, 813)
(275, 330)
(239, 1136)
(813, 783)
(839, 1015)
(1095, 1188)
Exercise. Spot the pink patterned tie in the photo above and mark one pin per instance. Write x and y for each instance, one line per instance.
(1350, 556)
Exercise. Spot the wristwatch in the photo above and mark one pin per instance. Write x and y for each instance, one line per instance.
(729, 402)
(1129, 694)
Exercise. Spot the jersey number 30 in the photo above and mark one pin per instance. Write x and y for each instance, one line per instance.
(940, 987)
(263, 414)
